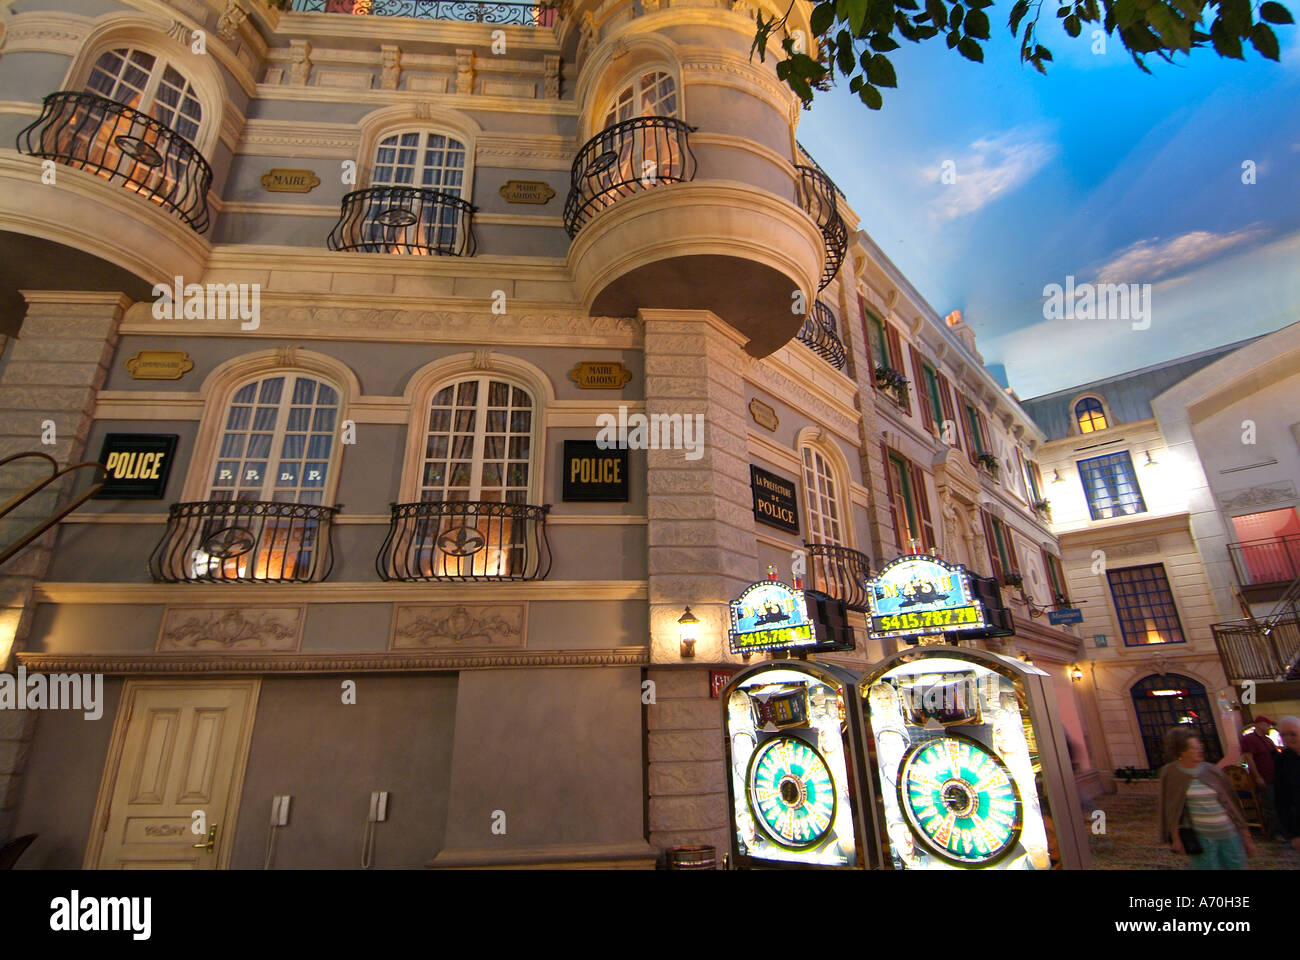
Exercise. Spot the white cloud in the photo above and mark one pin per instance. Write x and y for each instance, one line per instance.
(991, 167)
(1153, 258)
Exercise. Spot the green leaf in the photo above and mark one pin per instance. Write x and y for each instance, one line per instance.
(1042, 53)
(823, 16)
(883, 43)
(881, 72)
(1226, 43)
(871, 97)
(844, 59)
(1062, 11)
(954, 38)
(857, 15)
(969, 49)
(1274, 13)
(977, 24)
(1236, 16)
(1072, 26)
(1263, 40)
(938, 12)
(1017, 14)
(954, 17)
(855, 84)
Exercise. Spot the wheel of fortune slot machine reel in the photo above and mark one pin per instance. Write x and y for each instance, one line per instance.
(960, 800)
(791, 793)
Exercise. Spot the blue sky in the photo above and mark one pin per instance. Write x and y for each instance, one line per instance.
(1097, 171)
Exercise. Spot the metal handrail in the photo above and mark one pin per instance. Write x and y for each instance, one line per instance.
(817, 196)
(819, 335)
(840, 572)
(245, 541)
(399, 219)
(23, 496)
(110, 139)
(464, 11)
(465, 540)
(626, 158)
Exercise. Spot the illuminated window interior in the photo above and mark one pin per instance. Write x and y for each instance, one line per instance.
(1145, 605)
(1088, 414)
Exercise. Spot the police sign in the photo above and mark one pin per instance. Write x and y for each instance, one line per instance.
(137, 464)
(774, 499)
(593, 474)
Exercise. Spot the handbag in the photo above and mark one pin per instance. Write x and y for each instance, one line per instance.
(1191, 842)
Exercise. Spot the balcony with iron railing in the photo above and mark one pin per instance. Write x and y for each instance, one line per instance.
(245, 541)
(460, 541)
(817, 195)
(411, 220)
(819, 334)
(840, 572)
(1257, 650)
(464, 11)
(1271, 562)
(124, 146)
(623, 159)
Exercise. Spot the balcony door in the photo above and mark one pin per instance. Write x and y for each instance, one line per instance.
(478, 452)
(1269, 545)
(277, 447)
(418, 165)
(148, 83)
(636, 155)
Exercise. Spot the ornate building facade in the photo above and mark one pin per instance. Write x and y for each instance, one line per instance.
(367, 279)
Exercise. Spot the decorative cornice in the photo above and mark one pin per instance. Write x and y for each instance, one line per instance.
(47, 31)
(323, 663)
(1260, 496)
(251, 595)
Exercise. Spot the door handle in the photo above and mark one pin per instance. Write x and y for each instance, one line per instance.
(210, 842)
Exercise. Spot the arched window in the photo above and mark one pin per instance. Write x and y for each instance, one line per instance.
(1165, 700)
(417, 185)
(478, 442)
(652, 93)
(821, 498)
(277, 441)
(1089, 415)
(417, 158)
(147, 82)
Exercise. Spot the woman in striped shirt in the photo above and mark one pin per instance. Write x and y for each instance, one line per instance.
(1196, 794)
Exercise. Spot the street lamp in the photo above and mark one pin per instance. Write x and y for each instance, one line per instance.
(688, 629)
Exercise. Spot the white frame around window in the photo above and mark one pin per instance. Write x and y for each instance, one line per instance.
(283, 408)
(145, 99)
(636, 98)
(821, 490)
(420, 167)
(478, 434)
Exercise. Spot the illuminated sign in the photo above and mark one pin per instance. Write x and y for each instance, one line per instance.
(922, 594)
(137, 465)
(770, 616)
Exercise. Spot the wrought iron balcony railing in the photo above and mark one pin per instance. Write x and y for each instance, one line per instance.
(623, 159)
(465, 540)
(122, 145)
(1275, 560)
(414, 220)
(466, 11)
(840, 572)
(1250, 651)
(817, 195)
(245, 541)
(819, 335)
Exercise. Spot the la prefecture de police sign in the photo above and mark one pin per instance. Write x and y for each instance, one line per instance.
(920, 594)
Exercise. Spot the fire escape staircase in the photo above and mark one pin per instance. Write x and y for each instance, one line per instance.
(22, 496)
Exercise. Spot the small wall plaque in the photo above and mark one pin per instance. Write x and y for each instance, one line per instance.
(281, 180)
(159, 365)
(527, 191)
(764, 415)
(600, 376)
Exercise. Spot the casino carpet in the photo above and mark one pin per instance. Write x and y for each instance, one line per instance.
(1132, 821)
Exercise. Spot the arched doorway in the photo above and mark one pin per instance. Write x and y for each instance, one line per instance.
(1163, 700)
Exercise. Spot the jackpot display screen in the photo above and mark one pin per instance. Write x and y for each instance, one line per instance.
(956, 764)
(786, 745)
(922, 594)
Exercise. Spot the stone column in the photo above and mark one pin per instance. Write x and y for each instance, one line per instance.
(48, 386)
(702, 553)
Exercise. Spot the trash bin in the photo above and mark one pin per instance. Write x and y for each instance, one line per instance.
(692, 858)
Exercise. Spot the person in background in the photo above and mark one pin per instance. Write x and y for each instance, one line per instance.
(1197, 794)
(1261, 756)
(1287, 781)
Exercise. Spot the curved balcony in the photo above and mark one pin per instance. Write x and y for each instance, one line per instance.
(414, 220)
(634, 155)
(840, 572)
(819, 335)
(124, 146)
(245, 541)
(817, 194)
(465, 541)
(464, 11)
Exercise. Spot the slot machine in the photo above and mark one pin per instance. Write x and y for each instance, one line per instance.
(793, 773)
(968, 768)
